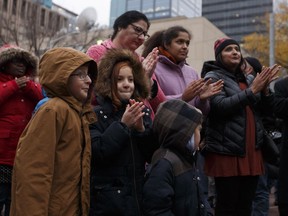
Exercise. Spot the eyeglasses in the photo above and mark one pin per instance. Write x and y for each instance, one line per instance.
(82, 75)
(139, 31)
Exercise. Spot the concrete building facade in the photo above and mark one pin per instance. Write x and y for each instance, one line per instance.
(20, 19)
(204, 34)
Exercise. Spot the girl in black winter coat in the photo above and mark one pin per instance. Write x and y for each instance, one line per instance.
(122, 139)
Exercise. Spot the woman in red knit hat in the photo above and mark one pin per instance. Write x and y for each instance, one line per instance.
(234, 131)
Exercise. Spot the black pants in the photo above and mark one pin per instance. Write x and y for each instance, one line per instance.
(235, 195)
(5, 198)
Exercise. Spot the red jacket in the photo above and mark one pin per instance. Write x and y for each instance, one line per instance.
(16, 107)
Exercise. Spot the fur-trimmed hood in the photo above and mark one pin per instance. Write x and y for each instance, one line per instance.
(104, 81)
(8, 52)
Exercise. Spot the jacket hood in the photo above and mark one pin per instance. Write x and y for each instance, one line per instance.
(112, 57)
(175, 122)
(208, 66)
(8, 52)
(212, 66)
(56, 66)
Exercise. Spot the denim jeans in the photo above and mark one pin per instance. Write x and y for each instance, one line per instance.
(5, 198)
(261, 201)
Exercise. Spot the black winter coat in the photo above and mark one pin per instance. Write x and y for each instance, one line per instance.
(172, 186)
(280, 108)
(226, 122)
(118, 162)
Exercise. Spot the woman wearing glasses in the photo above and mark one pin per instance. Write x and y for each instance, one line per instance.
(130, 32)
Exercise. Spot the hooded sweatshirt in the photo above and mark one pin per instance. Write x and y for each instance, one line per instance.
(52, 165)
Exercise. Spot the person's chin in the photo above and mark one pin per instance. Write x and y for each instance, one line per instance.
(125, 96)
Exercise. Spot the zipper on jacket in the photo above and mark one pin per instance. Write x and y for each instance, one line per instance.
(134, 175)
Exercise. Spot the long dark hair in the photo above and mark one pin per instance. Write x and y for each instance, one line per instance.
(239, 73)
(162, 38)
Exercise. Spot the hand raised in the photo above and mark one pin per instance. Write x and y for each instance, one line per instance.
(133, 114)
(149, 63)
(21, 81)
(193, 89)
(210, 89)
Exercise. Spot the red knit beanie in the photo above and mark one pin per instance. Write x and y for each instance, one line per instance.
(220, 44)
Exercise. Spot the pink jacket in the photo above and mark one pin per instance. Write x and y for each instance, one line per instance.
(97, 51)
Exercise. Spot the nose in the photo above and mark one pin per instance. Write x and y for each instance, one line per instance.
(142, 36)
(126, 83)
(88, 80)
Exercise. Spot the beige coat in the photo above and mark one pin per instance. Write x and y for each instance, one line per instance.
(52, 164)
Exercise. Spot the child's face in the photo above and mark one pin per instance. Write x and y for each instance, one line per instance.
(79, 82)
(16, 67)
(125, 83)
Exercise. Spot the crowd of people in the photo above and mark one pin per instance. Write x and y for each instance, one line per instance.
(114, 132)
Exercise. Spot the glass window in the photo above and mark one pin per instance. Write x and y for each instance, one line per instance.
(42, 21)
(5, 5)
(14, 7)
(133, 5)
(147, 6)
(23, 9)
(162, 5)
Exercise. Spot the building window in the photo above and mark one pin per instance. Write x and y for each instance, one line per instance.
(23, 9)
(161, 5)
(148, 6)
(58, 23)
(5, 5)
(133, 5)
(14, 7)
(50, 20)
(42, 21)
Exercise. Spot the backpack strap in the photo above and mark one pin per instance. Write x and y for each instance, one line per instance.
(179, 166)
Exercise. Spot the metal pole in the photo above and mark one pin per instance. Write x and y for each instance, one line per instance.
(271, 40)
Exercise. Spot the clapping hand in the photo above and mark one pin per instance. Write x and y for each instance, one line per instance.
(209, 89)
(263, 79)
(149, 63)
(133, 114)
(22, 81)
(193, 89)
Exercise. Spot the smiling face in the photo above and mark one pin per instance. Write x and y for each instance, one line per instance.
(16, 67)
(79, 83)
(130, 37)
(125, 83)
(179, 46)
(231, 56)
